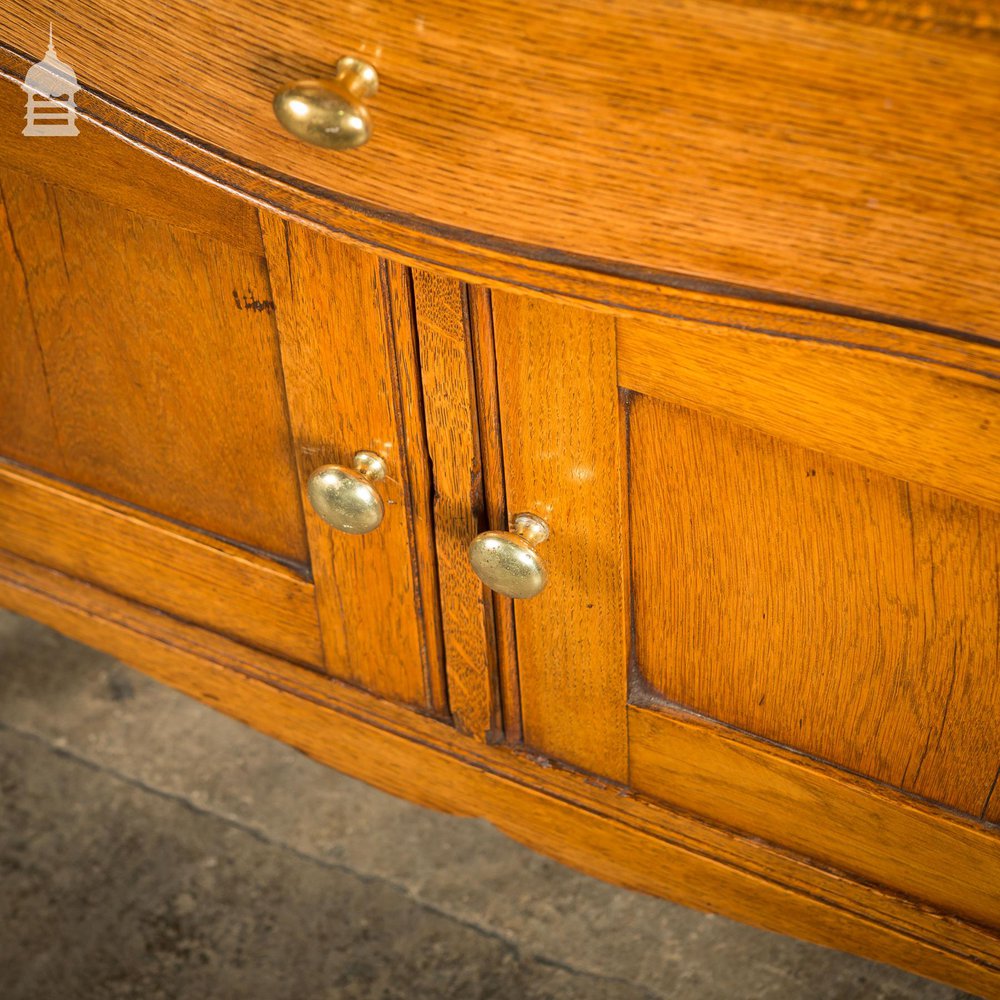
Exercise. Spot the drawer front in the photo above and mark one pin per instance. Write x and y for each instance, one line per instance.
(175, 366)
(750, 144)
(773, 587)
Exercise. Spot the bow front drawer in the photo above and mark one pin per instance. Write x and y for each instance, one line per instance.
(849, 159)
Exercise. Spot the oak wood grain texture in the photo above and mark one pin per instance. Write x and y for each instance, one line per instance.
(116, 173)
(807, 156)
(135, 369)
(564, 461)
(803, 805)
(343, 396)
(648, 292)
(603, 830)
(190, 575)
(406, 350)
(451, 416)
(975, 19)
(494, 496)
(933, 419)
(816, 603)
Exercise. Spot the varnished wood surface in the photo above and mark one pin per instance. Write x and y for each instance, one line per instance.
(122, 335)
(182, 572)
(604, 831)
(854, 825)
(973, 19)
(803, 155)
(494, 497)
(339, 363)
(913, 410)
(646, 293)
(816, 603)
(116, 173)
(405, 349)
(564, 461)
(452, 423)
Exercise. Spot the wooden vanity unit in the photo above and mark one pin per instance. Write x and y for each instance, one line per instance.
(581, 416)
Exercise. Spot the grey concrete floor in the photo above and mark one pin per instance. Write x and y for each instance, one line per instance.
(152, 848)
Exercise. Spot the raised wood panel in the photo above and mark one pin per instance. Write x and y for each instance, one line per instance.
(603, 830)
(189, 575)
(828, 815)
(449, 396)
(793, 151)
(816, 603)
(932, 419)
(343, 393)
(132, 365)
(564, 461)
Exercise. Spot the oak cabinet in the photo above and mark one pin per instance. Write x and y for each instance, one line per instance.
(170, 386)
(758, 672)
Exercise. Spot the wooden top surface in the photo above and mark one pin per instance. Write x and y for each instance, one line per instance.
(842, 155)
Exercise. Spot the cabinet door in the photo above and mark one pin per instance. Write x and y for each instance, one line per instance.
(173, 366)
(773, 593)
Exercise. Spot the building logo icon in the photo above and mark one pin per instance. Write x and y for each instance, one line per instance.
(50, 86)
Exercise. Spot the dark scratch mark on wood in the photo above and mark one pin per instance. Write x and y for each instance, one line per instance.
(920, 763)
(989, 794)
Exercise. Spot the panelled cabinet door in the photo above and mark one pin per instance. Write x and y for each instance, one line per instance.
(173, 365)
(348, 348)
(773, 580)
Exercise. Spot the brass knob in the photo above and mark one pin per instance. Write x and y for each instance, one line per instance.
(347, 498)
(506, 561)
(330, 113)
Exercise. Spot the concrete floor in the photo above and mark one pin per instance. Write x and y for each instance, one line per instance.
(151, 848)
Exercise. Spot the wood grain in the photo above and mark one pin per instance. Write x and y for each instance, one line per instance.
(184, 573)
(646, 292)
(932, 420)
(816, 603)
(564, 461)
(571, 817)
(494, 497)
(854, 825)
(788, 151)
(117, 173)
(343, 396)
(406, 350)
(134, 371)
(449, 397)
(975, 19)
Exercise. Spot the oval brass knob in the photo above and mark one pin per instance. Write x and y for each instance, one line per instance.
(330, 113)
(506, 561)
(347, 498)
